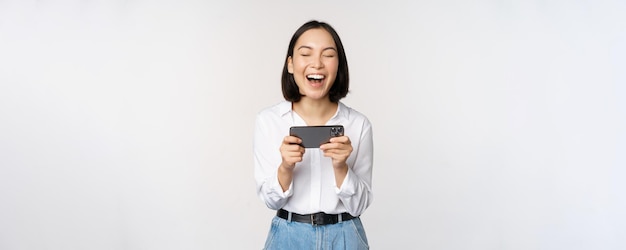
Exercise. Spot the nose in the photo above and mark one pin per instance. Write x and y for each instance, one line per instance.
(317, 62)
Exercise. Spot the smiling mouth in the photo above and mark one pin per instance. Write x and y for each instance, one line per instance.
(315, 78)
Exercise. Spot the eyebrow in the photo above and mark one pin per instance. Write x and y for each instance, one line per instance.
(308, 47)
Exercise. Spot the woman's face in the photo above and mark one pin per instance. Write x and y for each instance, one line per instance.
(314, 63)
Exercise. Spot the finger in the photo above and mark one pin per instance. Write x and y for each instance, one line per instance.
(335, 152)
(340, 139)
(288, 149)
(291, 162)
(297, 159)
(330, 145)
(335, 145)
(293, 147)
(338, 151)
(292, 140)
(297, 153)
(294, 159)
(329, 152)
(335, 156)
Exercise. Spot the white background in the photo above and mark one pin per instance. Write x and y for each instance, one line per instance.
(128, 124)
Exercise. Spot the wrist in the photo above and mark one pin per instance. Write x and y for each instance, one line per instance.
(340, 166)
(285, 168)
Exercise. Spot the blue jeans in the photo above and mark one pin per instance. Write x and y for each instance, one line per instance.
(287, 235)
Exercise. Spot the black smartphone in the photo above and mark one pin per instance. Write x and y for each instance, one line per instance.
(314, 136)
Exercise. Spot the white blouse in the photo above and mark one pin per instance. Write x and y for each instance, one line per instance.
(313, 188)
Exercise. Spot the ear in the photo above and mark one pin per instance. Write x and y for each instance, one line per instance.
(290, 65)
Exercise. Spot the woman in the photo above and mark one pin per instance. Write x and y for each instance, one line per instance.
(319, 192)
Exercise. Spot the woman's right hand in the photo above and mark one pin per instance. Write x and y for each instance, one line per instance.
(291, 152)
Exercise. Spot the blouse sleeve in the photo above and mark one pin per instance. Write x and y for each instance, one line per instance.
(356, 190)
(266, 162)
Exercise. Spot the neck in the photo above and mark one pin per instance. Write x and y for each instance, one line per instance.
(315, 112)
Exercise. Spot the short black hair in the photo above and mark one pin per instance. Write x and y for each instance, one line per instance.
(340, 87)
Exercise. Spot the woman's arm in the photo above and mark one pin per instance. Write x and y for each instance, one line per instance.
(355, 192)
(266, 167)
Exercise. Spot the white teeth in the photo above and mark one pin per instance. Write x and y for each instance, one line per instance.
(315, 77)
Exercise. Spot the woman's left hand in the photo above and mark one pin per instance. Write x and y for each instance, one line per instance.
(338, 149)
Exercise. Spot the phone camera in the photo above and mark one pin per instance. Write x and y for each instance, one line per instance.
(336, 131)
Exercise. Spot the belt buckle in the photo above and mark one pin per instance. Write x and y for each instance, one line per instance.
(317, 219)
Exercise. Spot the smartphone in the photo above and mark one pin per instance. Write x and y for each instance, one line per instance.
(314, 136)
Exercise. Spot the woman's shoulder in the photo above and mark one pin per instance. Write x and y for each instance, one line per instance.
(275, 110)
(352, 114)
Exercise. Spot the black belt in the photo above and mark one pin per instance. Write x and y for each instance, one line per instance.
(316, 218)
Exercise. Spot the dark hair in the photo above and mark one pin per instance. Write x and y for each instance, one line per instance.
(339, 90)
